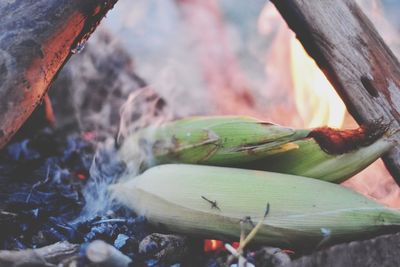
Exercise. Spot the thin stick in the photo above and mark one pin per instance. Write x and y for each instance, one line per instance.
(241, 260)
(253, 232)
(242, 232)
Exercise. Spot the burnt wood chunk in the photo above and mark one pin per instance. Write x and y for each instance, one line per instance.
(36, 38)
(354, 57)
(380, 251)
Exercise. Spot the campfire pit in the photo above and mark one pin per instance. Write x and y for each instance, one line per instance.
(55, 171)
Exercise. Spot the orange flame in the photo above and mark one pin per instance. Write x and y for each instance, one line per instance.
(316, 100)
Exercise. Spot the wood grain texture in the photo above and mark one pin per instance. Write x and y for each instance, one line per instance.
(36, 39)
(351, 53)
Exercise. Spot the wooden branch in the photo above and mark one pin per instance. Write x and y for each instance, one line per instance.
(45, 256)
(36, 38)
(349, 50)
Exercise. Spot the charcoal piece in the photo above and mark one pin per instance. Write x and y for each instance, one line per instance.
(109, 227)
(40, 194)
(270, 256)
(41, 198)
(121, 241)
(168, 249)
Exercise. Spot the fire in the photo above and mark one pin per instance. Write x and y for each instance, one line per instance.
(212, 245)
(292, 75)
(316, 100)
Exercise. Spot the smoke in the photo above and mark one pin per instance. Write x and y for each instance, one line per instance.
(143, 108)
(106, 169)
(171, 35)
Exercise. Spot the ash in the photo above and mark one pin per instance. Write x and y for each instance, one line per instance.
(42, 185)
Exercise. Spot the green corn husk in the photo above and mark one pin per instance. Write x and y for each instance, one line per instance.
(309, 160)
(208, 140)
(246, 143)
(303, 212)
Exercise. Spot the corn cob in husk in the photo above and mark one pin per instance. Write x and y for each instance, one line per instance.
(210, 202)
(208, 140)
(325, 154)
(309, 160)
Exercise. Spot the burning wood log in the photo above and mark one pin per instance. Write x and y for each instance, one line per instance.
(351, 53)
(37, 38)
(44, 256)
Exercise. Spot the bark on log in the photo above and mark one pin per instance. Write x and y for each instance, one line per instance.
(351, 53)
(36, 38)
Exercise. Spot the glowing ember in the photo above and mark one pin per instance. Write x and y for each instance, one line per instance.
(212, 245)
(81, 176)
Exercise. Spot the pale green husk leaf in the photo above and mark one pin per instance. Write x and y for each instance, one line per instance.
(302, 210)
